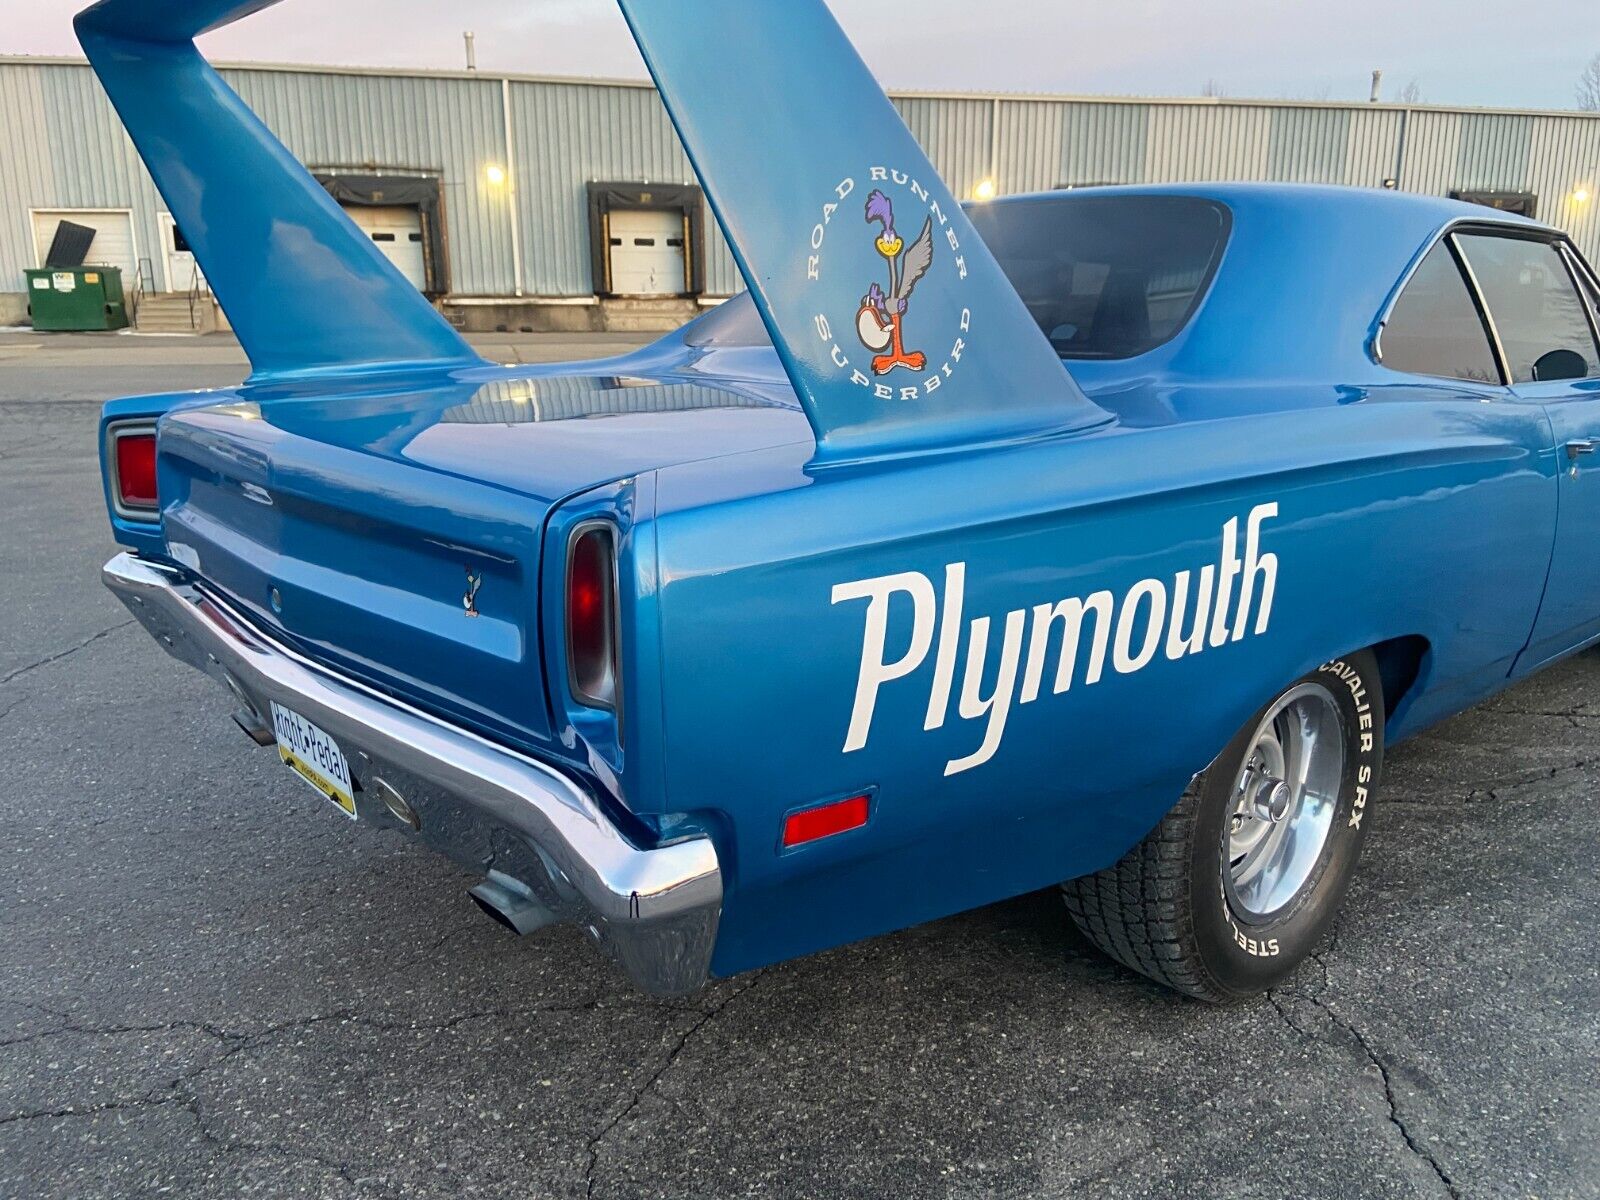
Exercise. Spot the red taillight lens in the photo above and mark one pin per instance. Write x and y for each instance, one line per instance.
(133, 469)
(592, 615)
(825, 820)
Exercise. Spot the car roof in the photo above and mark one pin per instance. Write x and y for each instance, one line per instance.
(1413, 209)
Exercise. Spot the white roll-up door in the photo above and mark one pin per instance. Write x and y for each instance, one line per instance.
(646, 251)
(113, 238)
(397, 231)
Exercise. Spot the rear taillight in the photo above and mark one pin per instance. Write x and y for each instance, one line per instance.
(592, 614)
(132, 466)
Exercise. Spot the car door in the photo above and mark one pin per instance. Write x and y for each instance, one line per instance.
(1541, 306)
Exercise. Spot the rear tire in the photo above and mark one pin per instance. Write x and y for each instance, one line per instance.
(1227, 896)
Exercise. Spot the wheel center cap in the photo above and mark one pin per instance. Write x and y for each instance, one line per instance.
(1272, 800)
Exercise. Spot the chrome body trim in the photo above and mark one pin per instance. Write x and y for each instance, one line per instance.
(655, 911)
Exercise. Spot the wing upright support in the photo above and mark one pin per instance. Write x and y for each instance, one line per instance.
(822, 191)
(304, 290)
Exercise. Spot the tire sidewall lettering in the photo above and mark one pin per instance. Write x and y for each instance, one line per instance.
(1247, 956)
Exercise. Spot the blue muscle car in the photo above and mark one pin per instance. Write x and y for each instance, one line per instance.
(1102, 537)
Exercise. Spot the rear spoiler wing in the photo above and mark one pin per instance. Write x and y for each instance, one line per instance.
(897, 328)
(305, 291)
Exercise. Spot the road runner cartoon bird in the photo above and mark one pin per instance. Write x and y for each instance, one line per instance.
(878, 321)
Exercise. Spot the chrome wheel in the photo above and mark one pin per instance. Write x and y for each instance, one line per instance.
(1284, 799)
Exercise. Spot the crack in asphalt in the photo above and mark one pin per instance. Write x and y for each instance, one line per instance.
(1317, 1000)
(708, 1015)
(223, 1146)
(245, 1039)
(1545, 712)
(178, 1090)
(87, 1110)
(70, 1029)
(18, 672)
(1494, 789)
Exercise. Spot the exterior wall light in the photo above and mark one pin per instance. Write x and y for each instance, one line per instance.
(495, 175)
(985, 190)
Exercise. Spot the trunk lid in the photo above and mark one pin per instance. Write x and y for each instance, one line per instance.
(395, 534)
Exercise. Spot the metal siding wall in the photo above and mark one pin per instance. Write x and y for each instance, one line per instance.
(61, 146)
(1493, 154)
(955, 135)
(1103, 143)
(1190, 142)
(1564, 154)
(1308, 145)
(569, 135)
(65, 148)
(449, 126)
(27, 176)
(1372, 151)
(1432, 150)
(1030, 146)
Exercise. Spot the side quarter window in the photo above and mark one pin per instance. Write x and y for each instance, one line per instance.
(1535, 306)
(1435, 328)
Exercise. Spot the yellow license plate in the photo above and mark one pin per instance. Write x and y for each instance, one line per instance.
(315, 757)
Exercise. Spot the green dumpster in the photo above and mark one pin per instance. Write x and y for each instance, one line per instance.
(70, 298)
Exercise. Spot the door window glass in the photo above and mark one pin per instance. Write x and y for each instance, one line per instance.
(1535, 307)
(1435, 328)
(1586, 286)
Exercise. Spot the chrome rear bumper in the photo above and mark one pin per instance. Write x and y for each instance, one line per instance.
(655, 911)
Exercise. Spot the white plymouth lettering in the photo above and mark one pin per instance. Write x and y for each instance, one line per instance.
(1152, 616)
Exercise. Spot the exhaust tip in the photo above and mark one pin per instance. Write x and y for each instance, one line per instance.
(397, 805)
(257, 730)
(508, 902)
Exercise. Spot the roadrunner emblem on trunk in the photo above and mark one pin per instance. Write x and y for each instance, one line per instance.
(470, 600)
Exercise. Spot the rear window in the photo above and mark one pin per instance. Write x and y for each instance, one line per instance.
(1104, 276)
(1107, 276)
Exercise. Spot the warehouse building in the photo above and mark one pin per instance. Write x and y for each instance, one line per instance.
(519, 202)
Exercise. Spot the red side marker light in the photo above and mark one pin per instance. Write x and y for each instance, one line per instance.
(824, 821)
(136, 469)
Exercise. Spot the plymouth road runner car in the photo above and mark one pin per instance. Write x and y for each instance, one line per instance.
(1099, 539)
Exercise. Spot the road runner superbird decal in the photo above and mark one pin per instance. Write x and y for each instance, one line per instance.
(1130, 629)
(881, 315)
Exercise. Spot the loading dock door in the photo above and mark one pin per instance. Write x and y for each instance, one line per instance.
(646, 249)
(397, 231)
(112, 245)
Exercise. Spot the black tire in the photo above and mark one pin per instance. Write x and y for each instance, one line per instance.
(1167, 910)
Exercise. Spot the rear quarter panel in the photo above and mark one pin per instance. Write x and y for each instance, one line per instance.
(1430, 515)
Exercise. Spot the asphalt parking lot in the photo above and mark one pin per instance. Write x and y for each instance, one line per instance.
(210, 986)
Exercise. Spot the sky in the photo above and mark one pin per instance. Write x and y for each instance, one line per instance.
(1466, 52)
